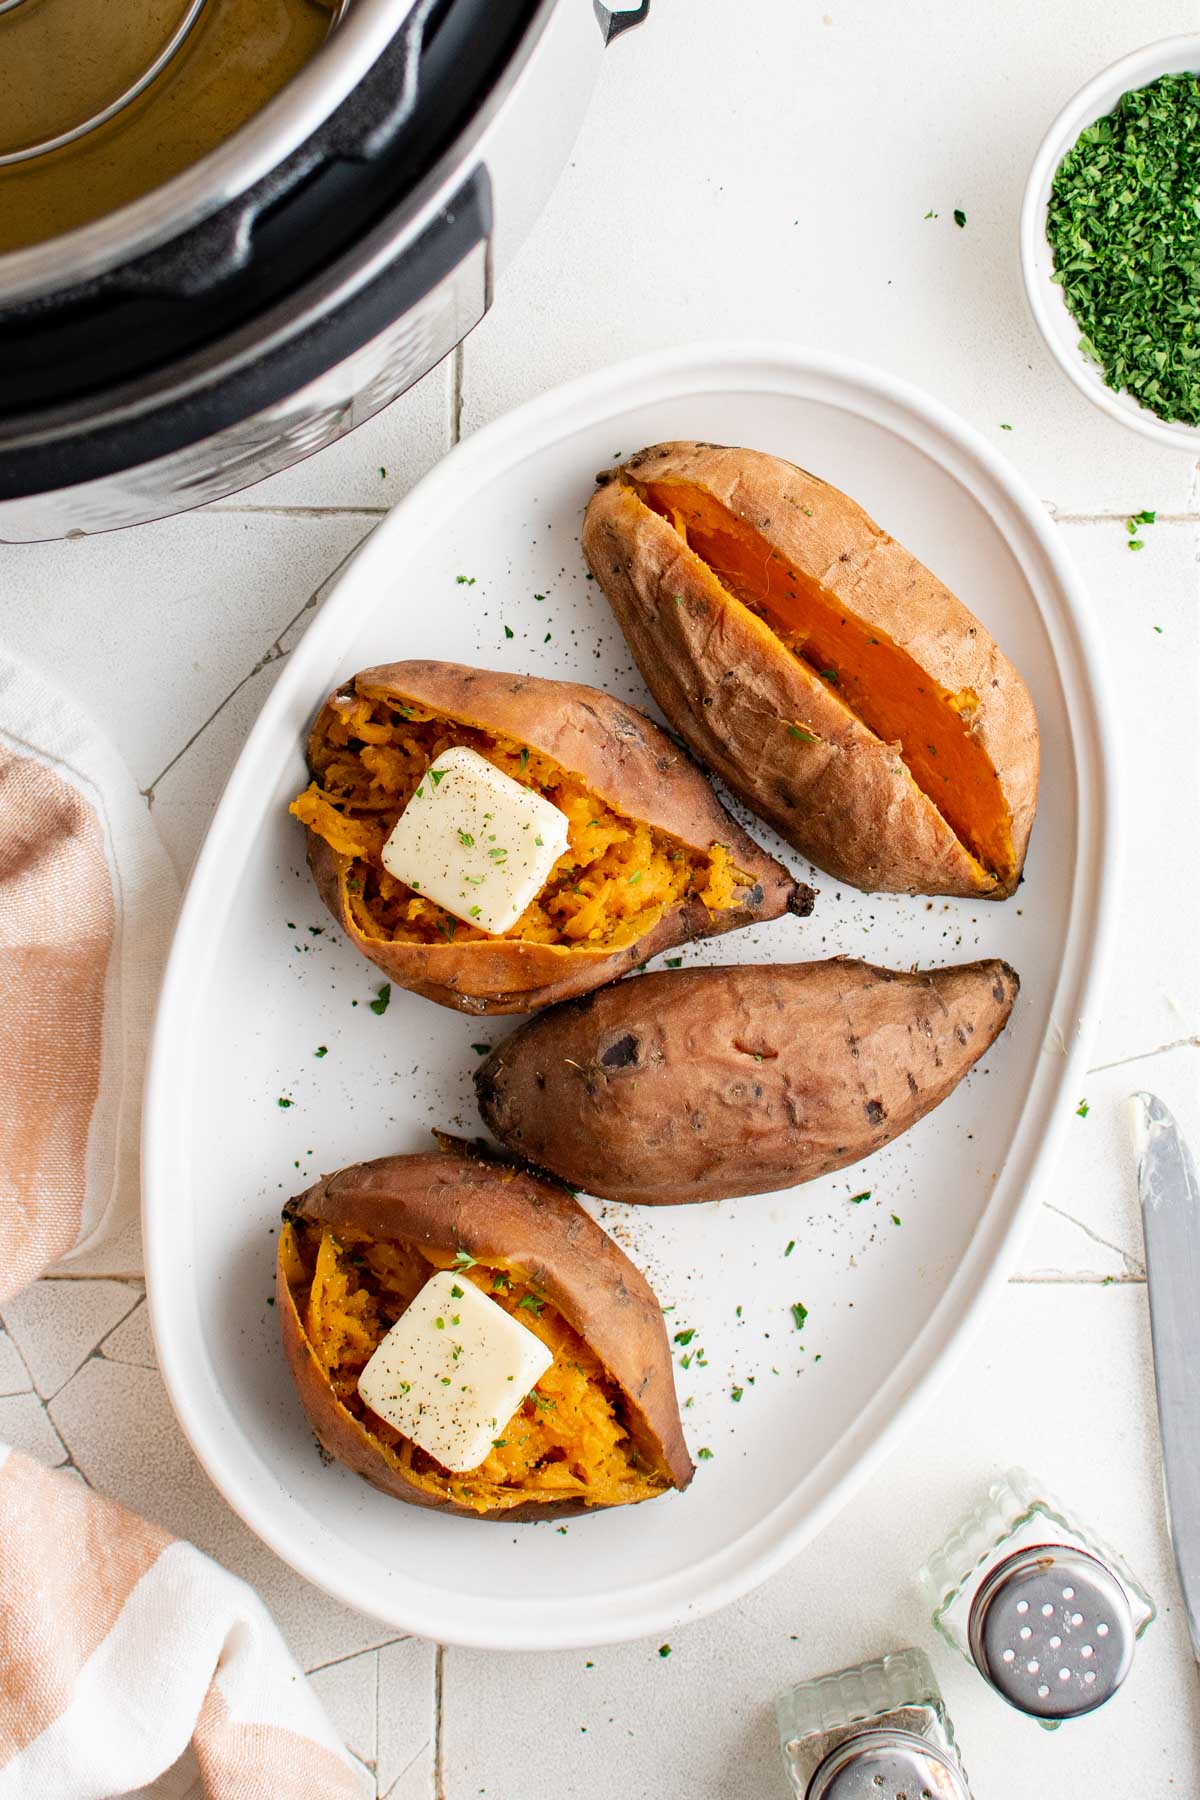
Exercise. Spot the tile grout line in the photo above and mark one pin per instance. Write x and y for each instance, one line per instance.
(335, 1662)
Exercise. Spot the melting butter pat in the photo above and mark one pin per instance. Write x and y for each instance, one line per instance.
(453, 1370)
(476, 841)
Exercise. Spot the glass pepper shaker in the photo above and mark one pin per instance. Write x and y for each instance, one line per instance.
(1048, 1613)
(876, 1732)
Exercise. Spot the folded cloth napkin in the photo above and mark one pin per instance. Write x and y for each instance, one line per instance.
(87, 900)
(116, 1651)
(118, 1643)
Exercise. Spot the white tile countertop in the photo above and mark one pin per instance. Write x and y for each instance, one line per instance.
(755, 171)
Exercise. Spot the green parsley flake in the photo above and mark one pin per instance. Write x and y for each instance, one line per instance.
(663, 1650)
(1082, 1110)
(895, 1218)
(685, 1337)
(800, 732)
(799, 1314)
(857, 1199)
(1125, 233)
(462, 1260)
(380, 1003)
(321, 1050)
(704, 1455)
(960, 217)
(674, 962)
(465, 580)
(284, 1103)
(790, 1248)
(736, 1393)
(532, 1303)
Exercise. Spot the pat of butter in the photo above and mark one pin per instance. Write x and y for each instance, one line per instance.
(476, 841)
(453, 1370)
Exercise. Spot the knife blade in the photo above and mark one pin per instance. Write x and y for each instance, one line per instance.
(1170, 1196)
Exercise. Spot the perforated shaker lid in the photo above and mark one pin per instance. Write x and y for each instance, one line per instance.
(887, 1765)
(1051, 1628)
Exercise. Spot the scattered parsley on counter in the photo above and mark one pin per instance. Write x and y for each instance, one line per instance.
(960, 217)
(508, 631)
(931, 214)
(799, 1314)
(321, 1050)
(674, 962)
(1082, 1110)
(465, 580)
(736, 1393)
(1131, 525)
(284, 1103)
(663, 1650)
(1125, 234)
(380, 1003)
(895, 1218)
(857, 1199)
(704, 1455)
(685, 1337)
(1006, 427)
(790, 1248)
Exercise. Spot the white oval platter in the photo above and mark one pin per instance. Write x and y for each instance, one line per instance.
(481, 564)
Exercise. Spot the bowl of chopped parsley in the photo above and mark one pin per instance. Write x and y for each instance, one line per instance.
(1110, 241)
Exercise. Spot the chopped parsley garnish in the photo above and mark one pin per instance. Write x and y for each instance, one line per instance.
(532, 1303)
(790, 1248)
(284, 1103)
(321, 1050)
(1082, 1110)
(524, 757)
(498, 855)
(674, 962)
(448, 927)
(857, 1199)
(799, 1314)
(500, 1282)
(736, 1393)
(508, 631)
(437, 776)
(895, 1218)
(462, 1260)
(380, 1003)
(685, 1337)
(466, 840)
(440, 1324)
(1123, 227)
(499, 1443)
(465, 580)
(960, 217)
(704, 1455)
(829, 675)
(663, 1650)
(799, 732)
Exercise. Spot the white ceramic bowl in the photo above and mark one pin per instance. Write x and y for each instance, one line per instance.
(1170, 56)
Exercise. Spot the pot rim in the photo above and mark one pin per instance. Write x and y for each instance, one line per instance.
(257, 147)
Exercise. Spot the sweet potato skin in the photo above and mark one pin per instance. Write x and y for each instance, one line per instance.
(733, 692)
(623, 757)
(510, 1218)
(706, 1083)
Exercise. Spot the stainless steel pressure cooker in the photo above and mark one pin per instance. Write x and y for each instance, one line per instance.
(232, 230)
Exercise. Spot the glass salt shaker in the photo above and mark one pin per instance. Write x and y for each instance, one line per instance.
(876, 1732)
(1048, 1613)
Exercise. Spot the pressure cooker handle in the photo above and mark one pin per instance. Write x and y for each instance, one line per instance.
(359, 130)
(616, 19)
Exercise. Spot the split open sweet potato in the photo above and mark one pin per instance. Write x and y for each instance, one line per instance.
(824, 673)
(653, 858)
(602, 1426)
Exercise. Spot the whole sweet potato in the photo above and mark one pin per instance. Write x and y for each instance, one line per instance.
(654, 859)
(740, 1080)
(601, 1429)
(825, 674)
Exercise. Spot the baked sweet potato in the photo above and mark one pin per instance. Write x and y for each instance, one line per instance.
(653, 860)
(830, 679)
(709, 1082)
(602, 1426)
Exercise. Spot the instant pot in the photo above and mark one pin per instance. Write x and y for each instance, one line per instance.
(264, 300)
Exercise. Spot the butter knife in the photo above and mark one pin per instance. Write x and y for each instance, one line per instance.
(1170, 1197)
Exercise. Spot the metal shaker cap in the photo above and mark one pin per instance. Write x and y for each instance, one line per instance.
(1051, 1628)
(887, 1765)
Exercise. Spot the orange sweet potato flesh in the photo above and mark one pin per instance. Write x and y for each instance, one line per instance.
(602, 1427)
(820, 669)
(653, 858)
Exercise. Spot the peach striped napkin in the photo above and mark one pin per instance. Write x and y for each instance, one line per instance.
(119, 1645)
